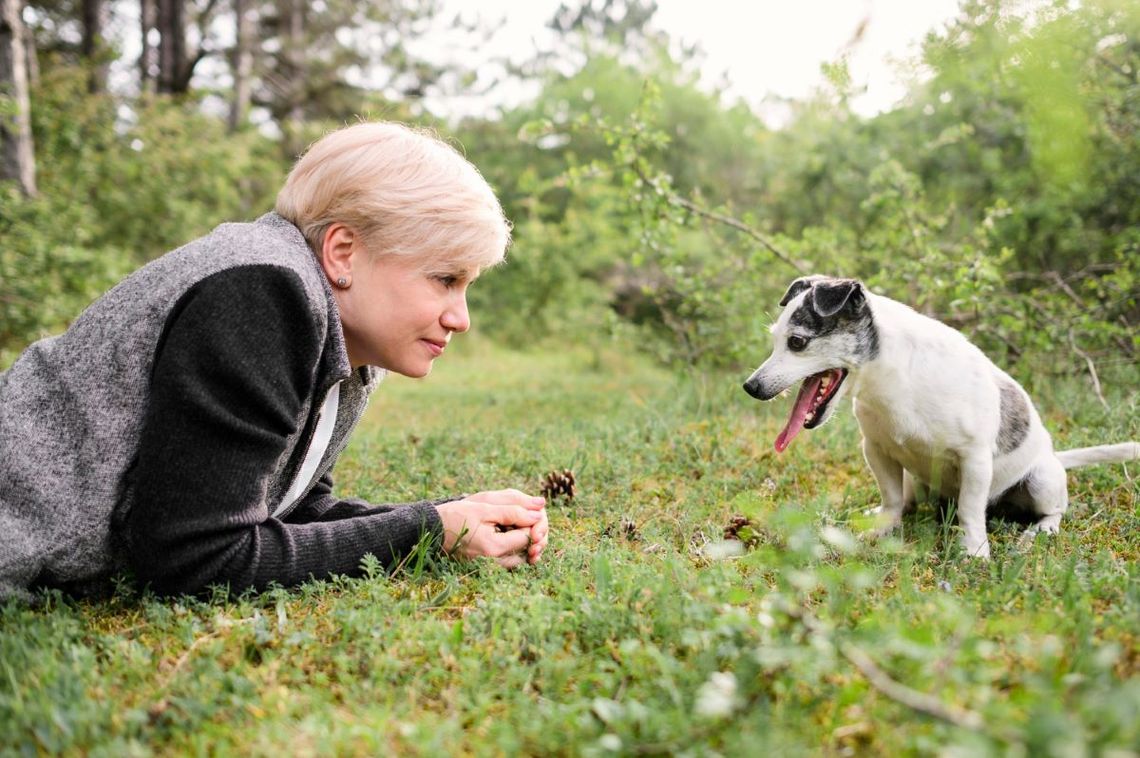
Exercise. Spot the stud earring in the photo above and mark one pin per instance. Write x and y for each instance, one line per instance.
(342, 283)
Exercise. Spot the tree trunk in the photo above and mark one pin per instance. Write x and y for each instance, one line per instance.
(146, 57)
(293, 53)
(171, 47)
(17, 158)
(32, 60)
(242, 65)
(94, 21)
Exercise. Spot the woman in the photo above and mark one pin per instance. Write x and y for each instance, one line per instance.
(186, 423)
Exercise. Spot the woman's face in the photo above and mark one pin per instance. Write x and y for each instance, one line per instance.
(400, 317)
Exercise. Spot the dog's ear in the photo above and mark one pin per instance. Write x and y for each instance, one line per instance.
(798, 286)
(829, 298)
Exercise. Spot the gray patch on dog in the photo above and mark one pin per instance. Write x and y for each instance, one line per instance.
(1014, 418)
(867, 339)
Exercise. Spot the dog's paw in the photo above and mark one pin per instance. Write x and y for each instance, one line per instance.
(1027, 539)
(879, 532)
(1049, 525)
(976, 552)
(887, 522)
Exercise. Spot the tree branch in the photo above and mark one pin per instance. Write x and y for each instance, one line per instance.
(740, 226)
(1092, 369)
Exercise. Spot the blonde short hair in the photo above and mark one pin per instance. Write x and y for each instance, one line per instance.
(403, 189)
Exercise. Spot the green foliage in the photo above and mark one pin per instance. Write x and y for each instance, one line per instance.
(573, 240)
(154, 175)
(115, 194)
(49, 267)
(552, 282)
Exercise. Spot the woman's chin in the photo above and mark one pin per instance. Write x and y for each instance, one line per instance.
(413, 372)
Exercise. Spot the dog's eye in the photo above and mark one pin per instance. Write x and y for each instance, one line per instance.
(797, 343)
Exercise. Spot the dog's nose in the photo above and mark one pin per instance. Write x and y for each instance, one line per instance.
(752, 387)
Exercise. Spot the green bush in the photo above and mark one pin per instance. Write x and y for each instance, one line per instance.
(119, 185)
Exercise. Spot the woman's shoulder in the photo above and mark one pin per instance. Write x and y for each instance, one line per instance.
(270, 240)
(266, 247)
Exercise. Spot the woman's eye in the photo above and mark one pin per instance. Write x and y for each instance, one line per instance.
(448, 280)
(797, 343)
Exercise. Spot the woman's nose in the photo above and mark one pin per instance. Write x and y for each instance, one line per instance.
(455, 316)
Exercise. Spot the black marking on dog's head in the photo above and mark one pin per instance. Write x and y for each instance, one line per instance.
(1014, 418)
(799, 285)
(832, 305)
(833, 296)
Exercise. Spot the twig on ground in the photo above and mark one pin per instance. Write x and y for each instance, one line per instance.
(161, 703)
(920, 702)
(911, 698)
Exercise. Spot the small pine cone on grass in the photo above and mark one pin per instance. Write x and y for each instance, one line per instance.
(741, 528)
(627, 528)
(558, 484)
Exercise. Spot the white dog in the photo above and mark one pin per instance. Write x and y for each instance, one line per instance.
(930, 406)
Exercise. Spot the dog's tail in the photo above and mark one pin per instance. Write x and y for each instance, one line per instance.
(1086, 456)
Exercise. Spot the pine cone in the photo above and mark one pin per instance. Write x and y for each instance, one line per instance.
(741, 528)
(627, 527)
(558, 484)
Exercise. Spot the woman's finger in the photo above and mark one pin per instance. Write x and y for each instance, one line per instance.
(513, 515)
(540, 529)
(514, 541)
(538, 537)
(509, 497)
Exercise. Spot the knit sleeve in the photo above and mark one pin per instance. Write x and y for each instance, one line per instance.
(320, 505)
(237, 359)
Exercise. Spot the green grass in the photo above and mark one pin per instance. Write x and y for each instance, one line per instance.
(617, 643)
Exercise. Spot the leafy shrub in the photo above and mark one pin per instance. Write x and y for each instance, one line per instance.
(118, 187)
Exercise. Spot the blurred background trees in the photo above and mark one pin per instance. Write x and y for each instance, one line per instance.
(1001, 195)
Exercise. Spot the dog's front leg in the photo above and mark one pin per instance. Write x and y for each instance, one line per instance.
(977, 467)
(889, 476)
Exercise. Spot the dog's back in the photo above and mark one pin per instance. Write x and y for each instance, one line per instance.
(932, 393)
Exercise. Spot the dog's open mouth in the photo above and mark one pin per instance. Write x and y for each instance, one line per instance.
(815, 393)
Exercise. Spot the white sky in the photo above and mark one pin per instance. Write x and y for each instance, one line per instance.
(760, 47)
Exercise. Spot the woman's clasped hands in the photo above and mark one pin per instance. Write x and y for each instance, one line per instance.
(507, 525)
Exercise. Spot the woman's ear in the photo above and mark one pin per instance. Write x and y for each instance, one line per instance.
(336, 252)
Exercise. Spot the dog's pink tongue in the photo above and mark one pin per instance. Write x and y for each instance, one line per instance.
(799, 412)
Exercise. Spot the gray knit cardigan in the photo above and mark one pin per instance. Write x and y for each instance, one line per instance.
(72, 412)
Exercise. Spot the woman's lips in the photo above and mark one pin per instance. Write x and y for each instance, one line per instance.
(436, 348)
